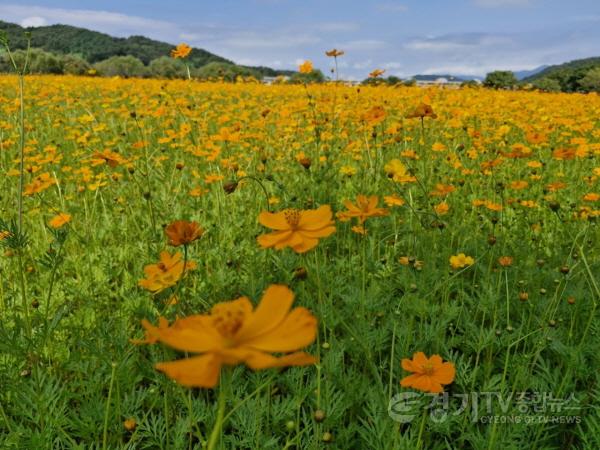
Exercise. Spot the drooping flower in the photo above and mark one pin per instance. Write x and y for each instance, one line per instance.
(298, 229)
(182, 232)
(234, 333)
(334, 53)
(60, 220)
(364, 208)
(166, 273)
(181, 51)
(461, 260)
(422, 111)
(376, 73)
(428, 374)
(306, 67)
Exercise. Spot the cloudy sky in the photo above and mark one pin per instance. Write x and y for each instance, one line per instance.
(405, 37)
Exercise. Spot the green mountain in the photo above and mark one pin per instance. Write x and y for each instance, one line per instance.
(572, 76)
(94, 46)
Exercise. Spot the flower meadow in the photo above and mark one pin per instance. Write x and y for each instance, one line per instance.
(192, 265)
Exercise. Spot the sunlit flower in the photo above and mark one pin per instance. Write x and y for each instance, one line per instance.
(364, 208)
(398, 172)
(298, 229)
(235, 333)
(393, 200)
(181, 51)
(461, 260)
(166, 273)
(60, 220)
(428, 374)
(306, 67)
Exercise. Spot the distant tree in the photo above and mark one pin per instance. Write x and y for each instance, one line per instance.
(410, 82)
(316, 76)
(123, 66)
(469, 84)
(167, 67)
(39, 62)
(74, 65)
(500, 79)
(591, 80)
(547, 84)
(223, 71)
(393, 80)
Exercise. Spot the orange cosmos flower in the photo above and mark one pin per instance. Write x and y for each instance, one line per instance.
(365, 207)
(421, 111)
(60, 220)
(376, 73)
(505, 261)
(428, 374)
(335, 53)
(306, 67)
(234, 333)
(169, 270)
(393, 200)
(442, 208)
(298, 229)
(182, 232)
(181, 51)
(461, 260)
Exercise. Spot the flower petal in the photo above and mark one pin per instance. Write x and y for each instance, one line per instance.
(191, 334)
(275, 221)
(316, 218)
(272, 239)
(445, 373)
(271, 311)
(200, 371)
(298, 330)
(258, 360)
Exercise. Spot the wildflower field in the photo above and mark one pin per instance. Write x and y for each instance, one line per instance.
(240, 266)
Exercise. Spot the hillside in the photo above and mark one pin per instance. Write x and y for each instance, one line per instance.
(568, 76)
(94, 46)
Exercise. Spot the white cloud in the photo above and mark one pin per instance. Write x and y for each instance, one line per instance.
(33, 21)
(106, 21)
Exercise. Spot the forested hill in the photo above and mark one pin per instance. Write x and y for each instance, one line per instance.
(94, 46)
(577, 75)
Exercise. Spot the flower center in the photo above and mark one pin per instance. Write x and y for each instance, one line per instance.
(228, 318)
(428, 369)
(292, 216)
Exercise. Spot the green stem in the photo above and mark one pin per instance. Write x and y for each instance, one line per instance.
(421, 429)
(107, 409)
(215, 435)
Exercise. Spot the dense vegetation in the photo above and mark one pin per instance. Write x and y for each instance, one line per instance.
(581, 75)
(92, 47)
(480, 246)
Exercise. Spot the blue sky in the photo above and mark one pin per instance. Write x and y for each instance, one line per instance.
(405, 37)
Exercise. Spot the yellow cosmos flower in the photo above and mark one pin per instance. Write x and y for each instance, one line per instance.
(298, 229)
(461, 260)
(181, 51)
(60, 220)
(234, 333)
